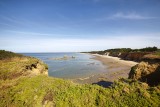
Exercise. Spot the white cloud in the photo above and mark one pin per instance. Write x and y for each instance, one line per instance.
(74, 45)
(131, 16)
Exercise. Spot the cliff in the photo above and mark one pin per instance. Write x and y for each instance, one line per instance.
(17, 65)
(132, 56)
(128, 53)
(147, 71)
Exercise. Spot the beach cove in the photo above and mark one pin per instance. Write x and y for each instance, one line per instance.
(85, 68)
(115, 69)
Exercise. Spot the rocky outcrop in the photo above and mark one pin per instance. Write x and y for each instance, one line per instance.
(147, 71)
(63, 58)
(123, 55)
(37, 68)
(132, 56)
(135, 56)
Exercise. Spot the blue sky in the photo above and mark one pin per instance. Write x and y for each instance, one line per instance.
(78, 25)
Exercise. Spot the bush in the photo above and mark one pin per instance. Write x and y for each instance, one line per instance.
(8, 55)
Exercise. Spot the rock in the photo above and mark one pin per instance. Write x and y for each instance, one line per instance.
(63, 58)
(146, 71)
(135, 56)
(37, 68)
(132, 56)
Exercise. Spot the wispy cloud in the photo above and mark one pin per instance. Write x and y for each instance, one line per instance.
(28, 33)
(10, 19)
(131, 16)
(36, 35)
(70, 44)
(15, 22)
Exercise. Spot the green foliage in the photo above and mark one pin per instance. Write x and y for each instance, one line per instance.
(7, 55)
(119, 50)
(125, 50)
(147, 49)
(43, 90)
(100, 52)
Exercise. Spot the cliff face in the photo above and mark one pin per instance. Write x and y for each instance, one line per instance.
(37, 68)
(24, 66)
(132, 56)
(147, 71)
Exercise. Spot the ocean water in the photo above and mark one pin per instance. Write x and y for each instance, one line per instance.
(83, 65)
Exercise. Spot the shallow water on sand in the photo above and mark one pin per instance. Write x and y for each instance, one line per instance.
(79, 66)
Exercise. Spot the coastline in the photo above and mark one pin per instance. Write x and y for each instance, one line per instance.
(116, 59)
(115, 69)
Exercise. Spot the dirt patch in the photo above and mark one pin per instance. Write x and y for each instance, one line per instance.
(47, 97)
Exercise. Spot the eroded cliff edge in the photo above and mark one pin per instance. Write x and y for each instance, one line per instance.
(148, 70)
(16, 65)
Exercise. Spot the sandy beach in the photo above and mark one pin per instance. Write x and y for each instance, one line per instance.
(115, 69)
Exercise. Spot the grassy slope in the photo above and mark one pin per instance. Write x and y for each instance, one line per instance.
(41, 90)
(15, 67)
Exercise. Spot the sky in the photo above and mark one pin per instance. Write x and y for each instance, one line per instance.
(78, 25)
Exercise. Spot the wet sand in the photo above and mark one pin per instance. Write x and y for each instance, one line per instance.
(115, 69)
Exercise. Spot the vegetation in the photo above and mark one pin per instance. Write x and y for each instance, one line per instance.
(128, 53)
(43, 90)
(35, 91)
(14, 65)
(8, 55)
(127, 50)
(119, 50)
(149, 49)
(157, 53)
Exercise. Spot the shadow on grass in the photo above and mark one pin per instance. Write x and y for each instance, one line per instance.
(104, 83)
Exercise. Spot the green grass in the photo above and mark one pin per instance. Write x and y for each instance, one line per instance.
(18, 66)
(43, 90)
(13, 68)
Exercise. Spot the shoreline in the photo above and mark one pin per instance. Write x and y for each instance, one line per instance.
(126, 62)
(115, 69)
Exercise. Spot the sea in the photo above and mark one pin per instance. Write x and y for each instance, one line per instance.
(70, 65)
